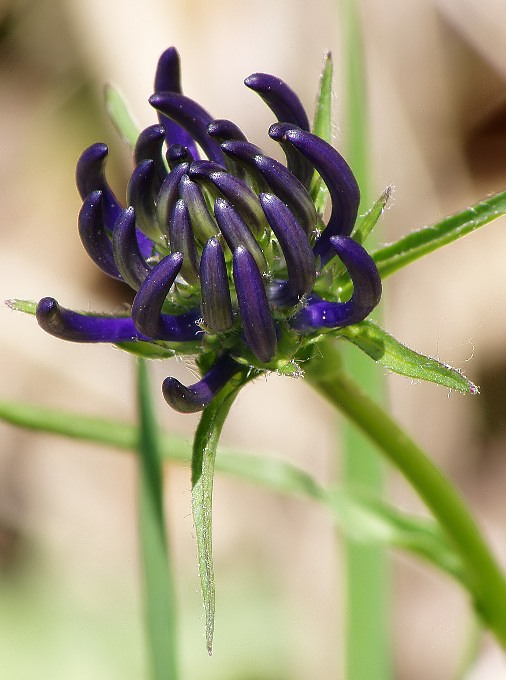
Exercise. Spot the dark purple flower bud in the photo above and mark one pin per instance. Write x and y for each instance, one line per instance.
(147, 306)
(279, 179)
(94, 235)
(168, 79)
(167, 197)
(204, 226)
(216, 304)
(299, 257)
(69, 325)
(297, 163)
(176, 154)
(287, 108)
(366, 291)
(280, 98)
(236, 231)
(196, 397)
(337, 175)
(234, 190)
(90, 176)
(141, 194)
(257, 322)
(127, 255)
(182, 241)
(191, 116)
(223, 130)
(149, 146)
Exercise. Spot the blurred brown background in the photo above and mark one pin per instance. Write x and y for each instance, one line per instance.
(69, 593)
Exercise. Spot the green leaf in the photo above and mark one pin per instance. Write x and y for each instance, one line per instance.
(427, 239)
(366, 223)
(369, 520)
(120, 116)
(322, 126)
(203, 460)
(392, 354)
(160, 602)
(360, 518)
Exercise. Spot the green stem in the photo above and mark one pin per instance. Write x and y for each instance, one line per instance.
(487, 582)
(161, 627)
(367, 646)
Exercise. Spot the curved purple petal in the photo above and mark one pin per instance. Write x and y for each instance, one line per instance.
(279, 179)
(149, 146)
(216, 304)
(168, 195)
(182, 241)
(287, 108)
(168, 79)
(257, 322)
(197, 396)
(223, 130)
(299, 257)
(366, 291)
(203, 224)
(69, 325)
(142, 192)
(192, 117)
(337, 175)
(296, 162)
(234, 190)
(125, 247)
(147, 306)
(94, 236)
(90, 176)
(177, 154)
(236, 232)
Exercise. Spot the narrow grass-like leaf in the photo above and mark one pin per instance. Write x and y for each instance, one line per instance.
(361, 519)
(203, 459)
(160, 609)
(120, 116)
(322, 126)
(366, 223)
(392, 257)
(392, 354)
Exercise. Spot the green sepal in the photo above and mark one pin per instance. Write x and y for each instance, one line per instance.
(120, 116)
(395, 356)
(322, 126)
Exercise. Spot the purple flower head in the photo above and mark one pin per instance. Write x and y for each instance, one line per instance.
(228, 255)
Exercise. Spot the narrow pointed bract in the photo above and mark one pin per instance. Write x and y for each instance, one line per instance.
(228, 255)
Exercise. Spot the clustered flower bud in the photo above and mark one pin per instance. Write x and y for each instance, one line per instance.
(224, 253)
